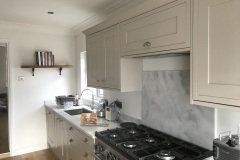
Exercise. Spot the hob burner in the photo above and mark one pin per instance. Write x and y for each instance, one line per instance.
(149, 140)
(113, 135)
(129, 145)
(165, 155)
(132, 131)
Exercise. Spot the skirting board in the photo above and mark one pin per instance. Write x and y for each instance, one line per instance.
(24, 150)
(4, 155)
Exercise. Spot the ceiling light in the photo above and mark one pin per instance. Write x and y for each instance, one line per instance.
(50, 12)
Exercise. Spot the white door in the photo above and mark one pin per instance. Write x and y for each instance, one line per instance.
(110, 44)
(216, 51)
(94, 60)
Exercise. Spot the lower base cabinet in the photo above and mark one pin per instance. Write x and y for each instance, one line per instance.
(67, 142)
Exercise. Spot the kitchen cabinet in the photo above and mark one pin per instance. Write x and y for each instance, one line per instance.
(216, 36)
(60, 138)
(105, 68)
(166, 30)
(80, 146)
(50, 117)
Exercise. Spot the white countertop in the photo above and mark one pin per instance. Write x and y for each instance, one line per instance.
(75, 120)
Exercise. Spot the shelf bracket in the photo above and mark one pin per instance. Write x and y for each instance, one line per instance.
(60, 71)
(33, 71)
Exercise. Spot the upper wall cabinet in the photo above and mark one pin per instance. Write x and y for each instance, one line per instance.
(166, 29)
(216, 53)
(105, 68)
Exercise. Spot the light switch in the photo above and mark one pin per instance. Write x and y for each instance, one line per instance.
(21, 78)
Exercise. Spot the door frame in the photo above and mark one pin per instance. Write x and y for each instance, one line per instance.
(10, 95)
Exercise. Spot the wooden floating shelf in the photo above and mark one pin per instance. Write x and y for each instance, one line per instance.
(55, 66)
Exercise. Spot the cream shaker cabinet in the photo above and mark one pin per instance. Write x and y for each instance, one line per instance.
(105, 68)
(50, 128)
(103, 58)
(161, 30)
(59, 136)
(216, 53)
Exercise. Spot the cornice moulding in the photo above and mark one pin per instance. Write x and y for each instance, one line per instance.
(35, 28)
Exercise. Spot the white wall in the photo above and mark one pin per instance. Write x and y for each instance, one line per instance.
(3, 69)
(28, 119)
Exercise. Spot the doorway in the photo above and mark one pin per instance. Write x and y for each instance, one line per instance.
(4, 106)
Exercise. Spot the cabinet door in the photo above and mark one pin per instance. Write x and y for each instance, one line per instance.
(110, 44)
(59, 134)
(50, 128)
(94, 60)
(216, 51)
(165, 28)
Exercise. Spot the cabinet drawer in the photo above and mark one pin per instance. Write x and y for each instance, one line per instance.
(165, 28)
(78, 150)
(82, 137)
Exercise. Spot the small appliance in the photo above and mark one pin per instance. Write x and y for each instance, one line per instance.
(112, 111)
(102, 105)
(226, 147)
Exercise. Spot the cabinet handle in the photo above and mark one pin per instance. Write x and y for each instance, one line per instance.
(49, 112)
(86, 140)
(98, 80)
(70, 128)
(147, 44)
(86, 155)
(103, 80)
(71, 140)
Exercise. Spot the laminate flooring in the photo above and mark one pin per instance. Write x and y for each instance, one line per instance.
(4, 147)
(39, 155)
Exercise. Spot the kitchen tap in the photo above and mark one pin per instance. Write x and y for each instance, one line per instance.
(92, 107)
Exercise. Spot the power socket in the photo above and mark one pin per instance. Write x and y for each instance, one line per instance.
(119, 104)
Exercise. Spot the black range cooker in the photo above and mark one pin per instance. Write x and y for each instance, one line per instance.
(143, 143)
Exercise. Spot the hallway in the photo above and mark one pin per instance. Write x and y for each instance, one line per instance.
(4, 148)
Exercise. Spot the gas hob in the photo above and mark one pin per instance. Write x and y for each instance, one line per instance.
(144, 143)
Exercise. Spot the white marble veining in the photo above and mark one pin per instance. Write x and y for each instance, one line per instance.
(166, 107)
(75, 120)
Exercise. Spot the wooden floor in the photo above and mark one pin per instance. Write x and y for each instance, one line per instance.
(4, 148)
(39, 155)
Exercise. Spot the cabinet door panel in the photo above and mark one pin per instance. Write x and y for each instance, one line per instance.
(110, 43)
(94, 59)
(216, 51)
(51, 128)
(165, 28)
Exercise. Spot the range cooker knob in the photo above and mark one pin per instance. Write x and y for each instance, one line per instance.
(114, 157)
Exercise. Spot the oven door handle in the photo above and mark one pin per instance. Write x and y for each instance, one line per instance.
(98, 156)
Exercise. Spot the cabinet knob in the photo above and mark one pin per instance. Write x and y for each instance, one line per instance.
(85, 155)
(70, 140)
(70, 128)
(86, 140)
(98, 80)
(103, 80)
(147, 44)
(49, 112)
(60, 120)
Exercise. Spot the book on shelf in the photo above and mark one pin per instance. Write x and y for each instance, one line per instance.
(44, 58)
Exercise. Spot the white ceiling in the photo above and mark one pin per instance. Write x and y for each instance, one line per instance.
(68, 13)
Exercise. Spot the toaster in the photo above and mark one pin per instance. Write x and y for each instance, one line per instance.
(226, 147)
(111, 112)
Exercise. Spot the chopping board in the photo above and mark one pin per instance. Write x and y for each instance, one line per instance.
(96, 124)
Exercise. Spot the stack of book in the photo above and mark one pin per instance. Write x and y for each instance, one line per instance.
(44, 58)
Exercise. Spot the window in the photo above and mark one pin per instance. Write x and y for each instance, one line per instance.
(96, 92)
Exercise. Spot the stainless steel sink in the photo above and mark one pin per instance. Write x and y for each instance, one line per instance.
(77, 111)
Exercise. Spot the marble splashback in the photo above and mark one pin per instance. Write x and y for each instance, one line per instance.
(166, 107)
